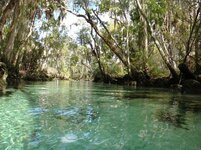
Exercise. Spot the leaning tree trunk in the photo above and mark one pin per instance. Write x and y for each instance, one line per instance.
(13, 32)
(6, 12)
(94, 50)
(161, 48)
(194, 32)
(108, 40)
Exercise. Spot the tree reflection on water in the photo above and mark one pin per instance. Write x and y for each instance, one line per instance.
(175, 112)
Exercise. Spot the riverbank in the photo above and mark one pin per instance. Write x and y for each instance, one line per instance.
(187, 82)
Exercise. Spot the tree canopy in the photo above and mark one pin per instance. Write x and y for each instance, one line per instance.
(134, 37)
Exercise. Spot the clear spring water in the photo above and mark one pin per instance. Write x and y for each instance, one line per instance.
(63, 115)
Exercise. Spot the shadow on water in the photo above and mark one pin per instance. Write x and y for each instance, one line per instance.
(175, 105)
(189, 103)
(177, 109)
(176, 119)
(6, 93)
(12, 89)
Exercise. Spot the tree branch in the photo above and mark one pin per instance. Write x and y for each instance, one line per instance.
(109, 42)
(189, 46)
(156, 41)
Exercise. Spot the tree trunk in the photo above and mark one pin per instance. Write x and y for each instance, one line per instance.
(161, 48)
(197, 55)
(186, 73)
(7, 11)
(109, 41)
(127, 46)
(170, 30)
(145, 44)
(193, 31)
(13, 32)
(96, 54)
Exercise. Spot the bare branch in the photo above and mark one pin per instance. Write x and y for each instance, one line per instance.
(78, 15)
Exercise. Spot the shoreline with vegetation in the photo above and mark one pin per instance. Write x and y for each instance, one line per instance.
(187, 82)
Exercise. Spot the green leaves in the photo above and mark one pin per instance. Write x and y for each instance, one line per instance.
(156, 10)
(74, 59)
(104, 5)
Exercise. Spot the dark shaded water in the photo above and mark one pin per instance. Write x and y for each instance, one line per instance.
(64, 115)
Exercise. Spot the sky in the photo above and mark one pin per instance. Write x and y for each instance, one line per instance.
(74, 24)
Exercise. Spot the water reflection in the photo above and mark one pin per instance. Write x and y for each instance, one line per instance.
(175, 119)
(175, 105)
(7, 93)
(84, 115)
(175, 113)
(189, 103)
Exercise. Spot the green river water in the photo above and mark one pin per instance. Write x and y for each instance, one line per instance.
(64, 115)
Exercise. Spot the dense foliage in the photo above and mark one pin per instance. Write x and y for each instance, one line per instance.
(122, 37)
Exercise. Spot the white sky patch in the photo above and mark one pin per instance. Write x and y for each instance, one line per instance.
(105, 17)
(73, 24)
